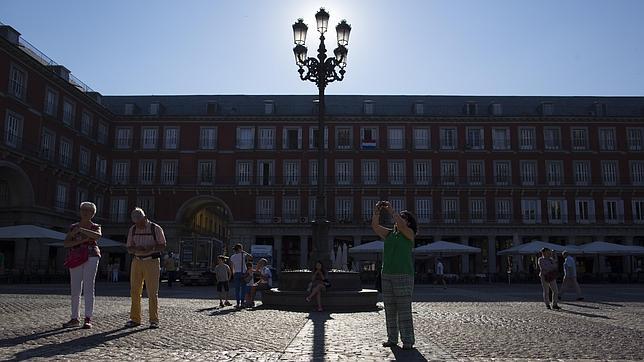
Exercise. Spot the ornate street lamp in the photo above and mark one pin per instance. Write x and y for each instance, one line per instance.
(321, 71)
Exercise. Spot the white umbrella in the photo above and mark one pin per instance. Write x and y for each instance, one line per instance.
(368, 251)
(534, 247)
(338, 258)
(29, 232)
(604, 248)
(102, 242)
(345, 256)
(445, 247)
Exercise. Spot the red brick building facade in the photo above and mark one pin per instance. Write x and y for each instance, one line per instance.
(484, 171)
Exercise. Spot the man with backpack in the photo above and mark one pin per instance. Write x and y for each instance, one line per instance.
(145, 241)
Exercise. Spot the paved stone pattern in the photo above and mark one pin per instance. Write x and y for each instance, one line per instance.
(463, 323)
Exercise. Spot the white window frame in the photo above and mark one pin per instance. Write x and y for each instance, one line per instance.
(580, 215)
(610, 172)
(207, 138)
(344, 172)
(149, 138)
(65, 153)
(18, 80)
(446, 167)
(147, 171)
(118, 209)
(344, 209)
(531, 211)
(555, 143)
(618, 209)
(502, 180)
(637, 206)
(422, 138)
(245, 138)
(477, 210)
(579, 138)
(503, 144)
(368, 204)
(369, 144)
(290, 209)
(262, 179)
(450, 209)
(292, 171)
(472, 179)
(474, 138)
(312, 137)
(121, 172)
(607, 139)
(503, 210)
(527, 138)
(120, 142)
(69, 114)
(87, 123)
(528, 172)
(370, 171)
(635, 136)
(554, 178)
(62, 196)
(147, 204)
(313, 167)
(265, 209)
(285, 143)
(266, 138)
(422, 172)
(84, 162)
(204, 178)
(562, 205)
(636, 169)
(451, 142)
(169, 172)
(47, 144)
(396, 143)
(171, 137)
(244, 172)
(343, 129)
(396, 172)
(582, 172)
(423, 209)
(51, 103)
(13, 129)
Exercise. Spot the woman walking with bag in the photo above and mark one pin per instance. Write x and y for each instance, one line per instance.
(397, 273)
(82, 261)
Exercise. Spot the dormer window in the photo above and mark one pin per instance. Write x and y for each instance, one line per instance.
(129, 109)
(471, 108)
(211, 108)
(155, 109)
(547, 109)
(269, 107)
(496, 109)
(600, 109)
(368, 107)
(316, 106)
(419, 108)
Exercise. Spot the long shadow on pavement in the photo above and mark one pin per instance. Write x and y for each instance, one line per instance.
(74, 345)
(407, 355)
(590, 315)
(579, 305)
(10, 342)
(319, 329)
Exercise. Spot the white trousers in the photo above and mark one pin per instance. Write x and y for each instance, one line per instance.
(82, 278)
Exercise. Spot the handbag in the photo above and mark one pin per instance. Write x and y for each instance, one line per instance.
(76, 256)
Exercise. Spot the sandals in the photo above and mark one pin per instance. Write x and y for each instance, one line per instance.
(389, 344)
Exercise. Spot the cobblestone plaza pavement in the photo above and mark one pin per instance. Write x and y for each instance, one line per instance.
(480, 322)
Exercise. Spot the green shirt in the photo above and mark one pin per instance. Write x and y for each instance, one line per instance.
(397, 254)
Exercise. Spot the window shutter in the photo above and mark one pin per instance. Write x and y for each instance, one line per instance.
(238, 140)
(591, 210)
(326, 137)
(538, 221)
(299, 138)
(284, 138)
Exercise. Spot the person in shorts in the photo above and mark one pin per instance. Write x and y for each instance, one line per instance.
(223, 275)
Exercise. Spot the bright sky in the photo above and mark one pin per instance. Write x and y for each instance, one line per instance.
(476, 47)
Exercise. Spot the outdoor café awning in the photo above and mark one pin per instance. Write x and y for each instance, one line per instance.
(445, 248)
(368, 251)
(534, 247)
(605, 248)
(29, 232)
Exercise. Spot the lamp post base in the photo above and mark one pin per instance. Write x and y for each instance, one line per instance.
(321, 244)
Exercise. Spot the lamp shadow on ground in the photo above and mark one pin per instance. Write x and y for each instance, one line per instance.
(75, 345)
(319, 320)
(10, 342)
(606, 303)
(589, 315)
(579, 305)
(407, 355)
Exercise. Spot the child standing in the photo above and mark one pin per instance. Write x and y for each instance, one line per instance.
(223, 275)
(249, 281)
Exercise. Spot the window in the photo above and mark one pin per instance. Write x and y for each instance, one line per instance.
(244, 172)
(503, 211)
(51, 102)
(635, 139)
(313, 171)
(292, 138)
(171, 138)
(147, 204)
(211, 108)
(475, 176)
(65, 152)
(448, 138)
(501, 138)
(313, 138)
(86, 123)
(579, 139)
(129, 109)
(419, 108)
(155, 109)
(607, 140)
(528, 172)
(496, 109)
(61, 196)
(146, 172)
(424, 210)
(552, 138)
(343, 137)
(582, 173)
(121, 172)
(149, 140)
(396, 138)
(502, 173)
(17, 82)
(290, 209)
(101, 167)
(638, 211)
(585, 211)
(68, 112)
(450, 210)
(527, 138)
(13, 130)
(83, 160)
(98, 201)
(609, 173)
(269, 107)
(531, 211)
(422, 172)
(613, 211)
(398, 203)
(208, 138)
(370, 172)
(123, 138)
(368, 203)
(368, 138)
(81, 195)
(344, 209)
(266, 138)
(245, 138)
(421, 138)
(368, 107)
(343, 171)
(471, 108)
(265, 172)
(265, 210)
(48, 144)
(637, 173)
(206, 172)
(312, 210)
(477, 210)
(601, 109)
(557, 211)
(449, 172)
(474, 139)
(101, 133)
(292, 172)
(554, 171)
(119, 209)
(547, 109)
(396, 172)
(169, 172)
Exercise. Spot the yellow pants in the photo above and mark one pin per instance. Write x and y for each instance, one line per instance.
(147, 271)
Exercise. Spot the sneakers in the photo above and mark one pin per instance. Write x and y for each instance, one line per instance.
(221, 304)
(227, 304)
(154, 325)
(547, 306)
(556, 307)
(88, 323)
(132, 324)
(72, 323)
(389, 344)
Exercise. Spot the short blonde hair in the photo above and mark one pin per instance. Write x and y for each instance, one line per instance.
(137, 212)
(89, 205)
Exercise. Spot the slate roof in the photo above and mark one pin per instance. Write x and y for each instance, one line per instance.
(384, 105)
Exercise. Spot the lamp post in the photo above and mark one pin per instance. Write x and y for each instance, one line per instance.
(321, 71)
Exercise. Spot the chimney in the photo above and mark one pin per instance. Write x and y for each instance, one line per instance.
(9, 33)
(60, 71)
